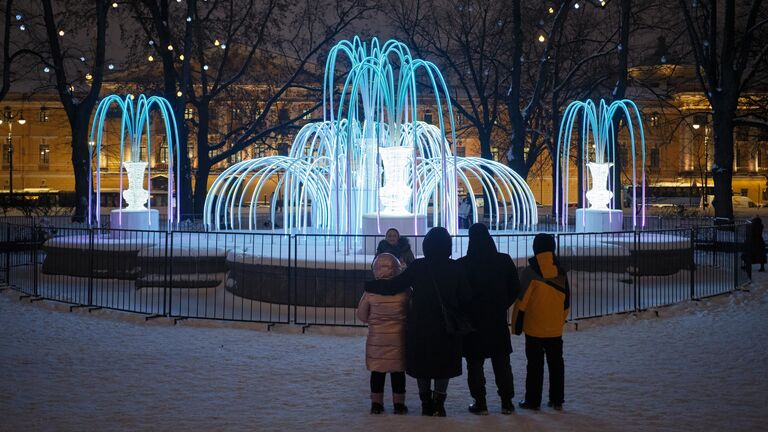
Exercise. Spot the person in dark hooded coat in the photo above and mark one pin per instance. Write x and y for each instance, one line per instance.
(432, 356)
(397, 246)
(495, 286)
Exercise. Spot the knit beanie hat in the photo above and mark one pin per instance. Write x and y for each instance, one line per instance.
(543, 243)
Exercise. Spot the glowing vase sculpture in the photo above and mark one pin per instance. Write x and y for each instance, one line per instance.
(599, 196)
(135, 196)
(395, 195)
(599, 126)
(135, 131)
(332, 179)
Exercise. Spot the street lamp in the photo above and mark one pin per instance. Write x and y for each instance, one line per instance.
(8, 117)
(698, 122)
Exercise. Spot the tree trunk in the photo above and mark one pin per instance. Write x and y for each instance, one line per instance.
(722, 169)
(81, 166)
(203, 159)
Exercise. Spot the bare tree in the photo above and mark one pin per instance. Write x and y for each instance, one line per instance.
(229, 45)
(729, 49)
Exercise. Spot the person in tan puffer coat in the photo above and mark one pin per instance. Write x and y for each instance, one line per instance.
(385, 346)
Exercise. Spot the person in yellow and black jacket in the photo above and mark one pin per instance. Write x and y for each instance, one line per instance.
(540, 313)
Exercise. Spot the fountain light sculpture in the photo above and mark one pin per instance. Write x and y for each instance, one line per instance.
(331, 182)
(135, 129)
(599, 151)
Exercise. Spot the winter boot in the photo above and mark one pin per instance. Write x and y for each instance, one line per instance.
(426, 403)
(377, 403)
(399, 401)
(438, 399)
(507, 407)
(479, 407)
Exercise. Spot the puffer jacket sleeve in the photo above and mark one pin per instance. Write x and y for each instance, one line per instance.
(364, 308)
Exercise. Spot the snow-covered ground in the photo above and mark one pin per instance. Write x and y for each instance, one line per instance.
(698, 366)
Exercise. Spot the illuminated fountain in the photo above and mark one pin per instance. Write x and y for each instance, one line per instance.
(599, 152)
(370, 164)
(135, 128)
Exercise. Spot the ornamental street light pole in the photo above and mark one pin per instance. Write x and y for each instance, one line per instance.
(8, 117)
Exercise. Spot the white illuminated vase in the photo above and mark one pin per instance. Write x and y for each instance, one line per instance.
(136, 196)
(395, 195)
(599, 196)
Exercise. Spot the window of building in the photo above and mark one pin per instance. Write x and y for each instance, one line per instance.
(43, 115)
(495, 153)
(654, 119)
(654, 158)
(189, 113)
(428, 116)
(45, 154)
(461, 151)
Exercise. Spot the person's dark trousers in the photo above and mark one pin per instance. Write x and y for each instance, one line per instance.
(397, 378)
(535, 351)
(502, 371)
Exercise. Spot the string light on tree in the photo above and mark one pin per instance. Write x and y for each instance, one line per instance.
(18, 17)
(111, 66)
(22, 27)
(223, 46)
(576, 5)
(82, 59)
(150, 58)
(114, 5)
(216, 42)
(189, 19)
(205, 67)
(170, 47)
(551, 10)
(542, 38)
(88, 76)
(61, 32)
(178, 93)
(46, 69)
(181, 57)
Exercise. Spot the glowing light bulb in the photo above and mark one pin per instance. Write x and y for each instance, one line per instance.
(178, 93)
(22, 27)
(111, 66)
(88, 76)
(114, 5)
(151, 42)
(551, 10)
(82, 59)
(18, 17)
(46, 69)
(576, 5)
(216, 42)
(170, 47)
(205, 67)
(223, 46)
(181, 57)
(150, 58)
(542, 38)
(61, 32)
(189, 19)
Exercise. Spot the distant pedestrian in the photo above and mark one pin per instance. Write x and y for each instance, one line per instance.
(398, 246)
(465, 212)
(758, 244)
(385, 345)
(439, 286)
(495, 286)
(541, 313)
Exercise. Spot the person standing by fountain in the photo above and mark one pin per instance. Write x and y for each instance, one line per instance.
(758, 244)
(385, 345)
(541, 313)
(465, 211)
(397, 246)
(433, 356)
(495, 286)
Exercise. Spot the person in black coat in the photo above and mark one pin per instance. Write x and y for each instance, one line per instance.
(432, 356)
(757, 243)
(397, 246)
(495, 286)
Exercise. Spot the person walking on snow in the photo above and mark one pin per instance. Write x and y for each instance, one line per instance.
(540, 314)
(385, 345)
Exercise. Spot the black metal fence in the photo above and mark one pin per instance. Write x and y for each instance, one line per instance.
(316, 279)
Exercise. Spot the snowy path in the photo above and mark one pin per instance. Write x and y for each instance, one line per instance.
(700, 366)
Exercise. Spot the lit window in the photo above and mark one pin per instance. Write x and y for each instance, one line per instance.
(189, 113)
(428, 116)
(45, 153)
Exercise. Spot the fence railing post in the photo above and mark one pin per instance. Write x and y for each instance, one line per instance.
(636, 273)
(34, 253)
(90, 266)
(8, 254)
(693, 263)
(168, 275)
